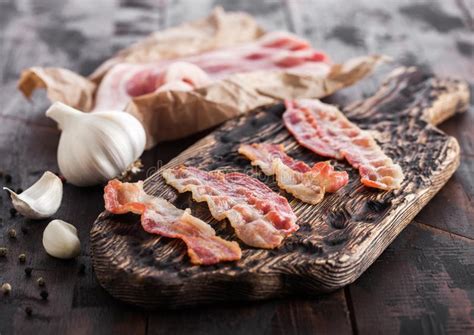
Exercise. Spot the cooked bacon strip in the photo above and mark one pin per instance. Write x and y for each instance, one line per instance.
(296, 177)
(322, 128)
(274, 51)
(261, 218)
(158, 216)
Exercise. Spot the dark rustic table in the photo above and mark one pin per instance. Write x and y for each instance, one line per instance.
(423, 283)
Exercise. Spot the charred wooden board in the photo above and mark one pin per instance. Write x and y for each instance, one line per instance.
(338, 238)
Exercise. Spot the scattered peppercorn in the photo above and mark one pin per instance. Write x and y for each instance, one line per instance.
(28, 310)
(40, 281)
(1, 174)
(6, 288)
(8, 178)
(22, 258)
(19, 190)
(24, 230)
(3, 252)
(44, 295)
(82, 269)
(28, 271)
(13, 212)
(12, 233)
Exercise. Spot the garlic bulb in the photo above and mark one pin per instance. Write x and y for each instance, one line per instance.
(96, 147)
(60, 240)
(41, 200)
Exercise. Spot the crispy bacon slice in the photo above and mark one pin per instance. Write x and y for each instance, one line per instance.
(322, 128)
(159, 216)
(261, 218)
(274, 51)
(305, 183)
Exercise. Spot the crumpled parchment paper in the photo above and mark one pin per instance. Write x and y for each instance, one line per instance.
(172, 115)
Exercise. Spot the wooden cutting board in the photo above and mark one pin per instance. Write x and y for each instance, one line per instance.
(338, 238)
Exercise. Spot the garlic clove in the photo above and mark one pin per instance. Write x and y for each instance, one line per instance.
(60, 240)
(41, 200)
(96, 147)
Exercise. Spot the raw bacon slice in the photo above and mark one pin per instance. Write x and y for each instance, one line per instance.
(273, 51)
(132, 80)
(261, 218)
(325, 130)
(158, 216)
(305, 183)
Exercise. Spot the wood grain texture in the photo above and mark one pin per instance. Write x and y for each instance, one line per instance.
(434, 294)
(338, 239)
(78, 36)
(327, 314)
(81, 34)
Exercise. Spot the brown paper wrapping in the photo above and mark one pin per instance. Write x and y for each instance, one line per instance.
(61, 85)
(172, 115)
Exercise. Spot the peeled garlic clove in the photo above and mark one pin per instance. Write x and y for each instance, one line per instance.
(41, 200)
(60, 240)
(96, 147)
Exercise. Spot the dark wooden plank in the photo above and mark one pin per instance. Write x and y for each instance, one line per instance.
(105, 320)
(269, 13)
(134, 20)
(452, 209)
(51, 33)
(323, 315)
(422, 284)
(180, 11)
(461, 128)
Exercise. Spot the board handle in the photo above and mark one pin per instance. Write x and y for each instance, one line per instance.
(434, 99)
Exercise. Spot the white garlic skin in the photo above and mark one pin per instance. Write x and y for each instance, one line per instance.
(41, 200)
(96, 147)
(60, 240)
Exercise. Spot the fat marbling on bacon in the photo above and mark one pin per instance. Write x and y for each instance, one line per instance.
(260, 217)
(306, 183)
(159, 216)
(323, 129)
(273, 51)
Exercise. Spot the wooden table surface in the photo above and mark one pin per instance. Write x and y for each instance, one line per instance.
(423, 283)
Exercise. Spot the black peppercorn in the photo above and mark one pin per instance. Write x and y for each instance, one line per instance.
(40, 281)
(6, 288)
(19, 190)
(82, 269)
(24, 230)
(22, 258)
(3, 252)
(13, 212)
(28, 271)
(8, 178)
(44, 295)
(12, 233)
(28, 310)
